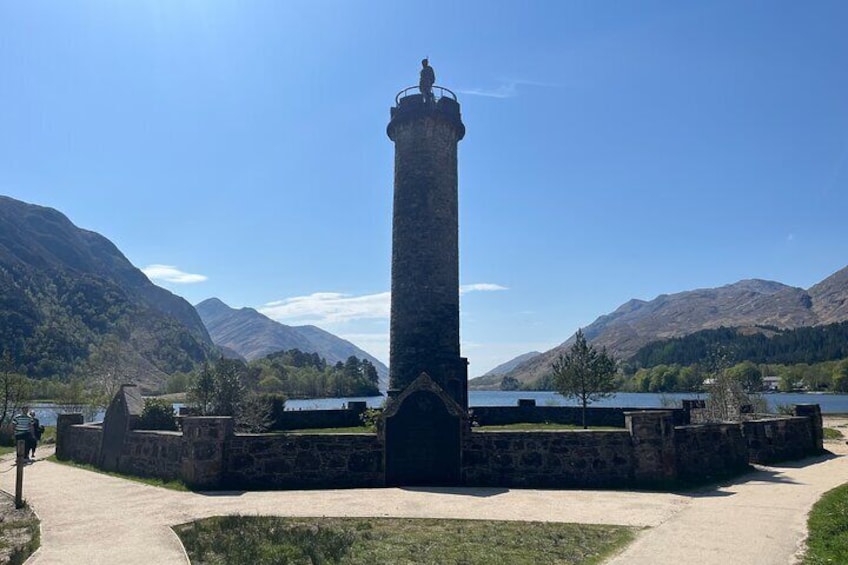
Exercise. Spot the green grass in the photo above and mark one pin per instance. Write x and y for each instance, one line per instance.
(20, 535)
(831, 433)
(154, 482)
(542, 426)
(828, 526)
(373, 541)
(4, 449)
(351, 430)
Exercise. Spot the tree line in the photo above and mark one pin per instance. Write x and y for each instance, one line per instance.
(771, 345)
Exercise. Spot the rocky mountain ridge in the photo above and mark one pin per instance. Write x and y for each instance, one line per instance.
(253, 335)
(746, 303)
(69, 297)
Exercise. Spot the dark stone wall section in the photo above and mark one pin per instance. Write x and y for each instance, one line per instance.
(650, 450)
(548, 459)
(295, 461)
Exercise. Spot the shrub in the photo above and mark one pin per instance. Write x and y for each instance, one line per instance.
(157, 415)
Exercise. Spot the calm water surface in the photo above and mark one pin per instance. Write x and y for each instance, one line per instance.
(830, 403)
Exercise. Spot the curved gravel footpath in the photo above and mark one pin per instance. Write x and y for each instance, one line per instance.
(89, 518)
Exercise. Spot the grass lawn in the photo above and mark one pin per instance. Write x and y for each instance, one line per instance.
(351, 430)
(526, 427)
(831, 433)
(4, 449)
(173, 485)
(374, 541)
(828, 524)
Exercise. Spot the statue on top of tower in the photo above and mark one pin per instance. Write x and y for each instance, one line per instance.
(426, 81)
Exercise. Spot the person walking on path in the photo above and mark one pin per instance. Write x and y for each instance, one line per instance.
(35, 436)
(426, 81)
(23, 428)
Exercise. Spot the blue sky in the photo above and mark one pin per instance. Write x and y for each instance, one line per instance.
(614, 150)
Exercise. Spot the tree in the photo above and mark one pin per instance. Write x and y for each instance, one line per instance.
(584, 373)
(510, 383)
(202, 391)
(157, 415)
(840, 377)
(748, 375)
(14, 389)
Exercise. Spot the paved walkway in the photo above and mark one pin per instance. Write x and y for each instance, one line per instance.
(92, 519)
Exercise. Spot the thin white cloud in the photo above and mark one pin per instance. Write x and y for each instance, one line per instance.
(506, 90)
(478, 287)
(329, 307)
(336, 307)
(171, 274)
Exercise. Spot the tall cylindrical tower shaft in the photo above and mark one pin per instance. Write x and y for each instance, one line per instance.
(425, 245)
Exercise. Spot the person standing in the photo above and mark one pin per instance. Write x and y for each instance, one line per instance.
(35, 437)
(426, 80)
(23, 429)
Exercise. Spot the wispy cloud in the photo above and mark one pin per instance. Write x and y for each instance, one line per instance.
(336, 307)
(329, 307)
(481, 287)
(506, 89)
(171, 274)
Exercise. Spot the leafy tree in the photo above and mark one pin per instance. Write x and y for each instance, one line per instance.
(584, 373)
(840, 377)
(15, 390)
(157, 415)
(178, 382)
(202, 391)
(254, 414)
(510, 383)
(748, 375)
(229, 389)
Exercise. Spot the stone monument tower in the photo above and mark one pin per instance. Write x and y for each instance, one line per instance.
(425, 243)
(426, 415)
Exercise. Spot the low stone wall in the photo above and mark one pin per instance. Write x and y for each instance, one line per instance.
(648, 450)
(304, 461)
(566, 415)
(773, 440)
(152, 454)
(709, 451)
(568, 459)
(80, 443)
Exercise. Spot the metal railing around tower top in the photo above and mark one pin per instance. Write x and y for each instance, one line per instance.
(438, 93)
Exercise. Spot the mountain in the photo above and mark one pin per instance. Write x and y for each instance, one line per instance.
(253, 335)
(70, 302)
(747, 303)
(504, 368)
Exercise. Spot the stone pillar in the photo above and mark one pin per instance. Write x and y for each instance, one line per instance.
(203, 450)
(813, 412)
(63, 424)
(654, 454)
(692, 407)
(425, 246)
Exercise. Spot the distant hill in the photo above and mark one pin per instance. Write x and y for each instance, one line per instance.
(747, 303)
(70, 301)
(491, 380)
(253, 335)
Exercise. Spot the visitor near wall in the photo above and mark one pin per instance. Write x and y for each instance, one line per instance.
(35, 434)
(23, 427)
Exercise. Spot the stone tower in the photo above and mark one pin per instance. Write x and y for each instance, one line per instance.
(425, 244)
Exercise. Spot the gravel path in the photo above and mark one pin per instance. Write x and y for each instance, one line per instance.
(89, 518)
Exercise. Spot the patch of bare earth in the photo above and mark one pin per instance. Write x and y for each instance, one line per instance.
(19, 531)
